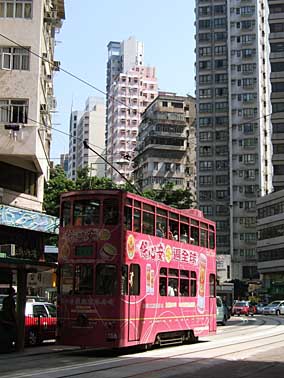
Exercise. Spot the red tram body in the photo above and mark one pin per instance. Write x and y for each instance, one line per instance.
(133, 271)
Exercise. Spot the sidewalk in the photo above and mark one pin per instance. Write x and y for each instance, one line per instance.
(47, 347)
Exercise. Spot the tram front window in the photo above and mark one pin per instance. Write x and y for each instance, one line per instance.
(110, 211)
(84, 279)
(106, 279)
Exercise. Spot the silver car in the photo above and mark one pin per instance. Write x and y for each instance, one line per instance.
(274, 308)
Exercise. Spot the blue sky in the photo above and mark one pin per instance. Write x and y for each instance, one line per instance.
(165, 27)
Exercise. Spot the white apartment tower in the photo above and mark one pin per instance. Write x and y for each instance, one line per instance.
(130, 88)
(89, 126)
(234, 151)
(129, 96)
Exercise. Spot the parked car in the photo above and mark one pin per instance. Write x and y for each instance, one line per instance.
(40, 322)
(260, 307)
(274, 308)
(221, 313)
(243, 308)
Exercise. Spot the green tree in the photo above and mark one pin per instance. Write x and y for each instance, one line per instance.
(57, 184)
(179, 198)
(85, 181)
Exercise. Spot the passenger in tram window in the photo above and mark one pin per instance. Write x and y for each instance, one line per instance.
(171, 236)
(162, 288)
(175, 235)
(172, 289)
(184, 237)
(160, 231)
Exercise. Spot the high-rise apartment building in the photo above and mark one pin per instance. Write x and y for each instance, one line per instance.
(234, 150)
(129, 95)
(121, 57)
(276, 26)
(89, 126)
(166, 143)
(130, 88)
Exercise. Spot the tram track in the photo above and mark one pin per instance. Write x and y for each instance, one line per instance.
(154, 360)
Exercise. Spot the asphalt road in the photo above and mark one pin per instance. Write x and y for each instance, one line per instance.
(245, 347)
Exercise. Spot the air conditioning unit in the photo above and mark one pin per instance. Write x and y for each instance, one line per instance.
(43, 107)
(56, 65)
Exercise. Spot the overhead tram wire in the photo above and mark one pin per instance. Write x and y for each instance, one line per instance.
(96, 89)
(93, 86)
(63, 70)
(113, 167)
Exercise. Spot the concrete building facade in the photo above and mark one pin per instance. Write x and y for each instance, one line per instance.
(122, 56)
(89, 126)
(234, 150)
(165, 151)
(27, 97)
(129, 95)
(276, 38)
(270, 245)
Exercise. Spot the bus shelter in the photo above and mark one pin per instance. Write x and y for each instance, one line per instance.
(22, 238)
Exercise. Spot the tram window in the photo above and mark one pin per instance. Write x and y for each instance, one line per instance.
(184, 288)
(161, 227)
(162, 212)
(84, 279)
(66, 213)
(173, 215)
(124, 280)
(163, 286)
(172, 287)
(212, 284)
(128, 217)
(106, 279)
(174, 229)
(163, 271)
(86, 212)
(137, 204)
(211, 240)
(203, 238)
(148, 207)
(110, 211)
(173, 272)
(148, 223)
(184, 233)
(66, 279)
(195, 235)
(137, 220)
(184, 273)
(193, 284)
(134, 279)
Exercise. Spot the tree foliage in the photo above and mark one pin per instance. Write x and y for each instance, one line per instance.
(59, 183)
(178, 198)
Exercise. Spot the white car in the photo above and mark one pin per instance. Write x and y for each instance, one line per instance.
(274, 308)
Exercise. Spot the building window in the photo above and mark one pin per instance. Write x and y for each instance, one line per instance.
(18, 179)
(167, 167)
(16, 8)
(13, 111)
(13, 58)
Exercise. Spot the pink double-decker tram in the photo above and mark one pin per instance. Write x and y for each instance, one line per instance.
(133, 271)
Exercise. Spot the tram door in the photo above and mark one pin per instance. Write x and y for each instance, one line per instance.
(134, 303)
